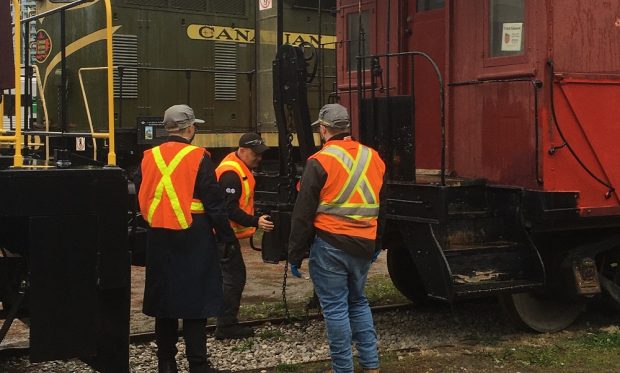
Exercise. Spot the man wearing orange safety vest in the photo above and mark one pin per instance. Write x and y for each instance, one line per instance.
(339, 194)
(235, 176)
(183, 205)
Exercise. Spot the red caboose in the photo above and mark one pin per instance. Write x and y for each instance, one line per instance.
(499, 123)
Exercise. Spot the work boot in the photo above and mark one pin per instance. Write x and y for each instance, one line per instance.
(234, 331)
(167, 366)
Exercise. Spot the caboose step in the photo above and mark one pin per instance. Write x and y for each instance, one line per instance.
(491, 266)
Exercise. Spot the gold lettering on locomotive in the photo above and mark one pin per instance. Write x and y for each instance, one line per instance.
(224, 35)
(244, 35)
(206, 32)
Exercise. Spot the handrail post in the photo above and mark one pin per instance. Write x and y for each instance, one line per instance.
(18, 159)
(111, 143)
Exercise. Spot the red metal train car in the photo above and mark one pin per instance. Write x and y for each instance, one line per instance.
(498, 120)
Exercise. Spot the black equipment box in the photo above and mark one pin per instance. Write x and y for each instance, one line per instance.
(69, 228)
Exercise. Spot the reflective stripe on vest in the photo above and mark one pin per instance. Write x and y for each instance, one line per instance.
(197, 207)
(166, 184)
(356, 181)
(234, 164)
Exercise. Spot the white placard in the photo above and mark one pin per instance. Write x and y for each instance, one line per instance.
(512, 35)
(265, 4)
(80, 144)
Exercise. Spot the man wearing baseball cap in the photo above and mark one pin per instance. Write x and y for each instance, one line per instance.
(235, 176)
(339, 194)
(182, 203)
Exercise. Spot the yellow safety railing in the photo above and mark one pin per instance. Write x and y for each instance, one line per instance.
(18, 160)
(86, 106)
(45, 113)
(112, 143)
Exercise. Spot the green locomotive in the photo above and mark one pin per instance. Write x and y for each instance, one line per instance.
(200, 52)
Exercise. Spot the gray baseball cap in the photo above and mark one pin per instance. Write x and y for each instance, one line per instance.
(333, 116)
(178, 117)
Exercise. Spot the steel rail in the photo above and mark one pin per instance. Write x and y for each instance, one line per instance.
(141, 338)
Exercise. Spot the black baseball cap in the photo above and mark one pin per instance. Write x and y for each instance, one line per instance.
(253, 141)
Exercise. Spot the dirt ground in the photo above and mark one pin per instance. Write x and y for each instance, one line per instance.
(264, 284)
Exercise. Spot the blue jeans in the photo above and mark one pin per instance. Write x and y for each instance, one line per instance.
(339, 280)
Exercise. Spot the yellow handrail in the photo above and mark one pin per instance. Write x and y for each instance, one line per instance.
(87, 107)
(46, 115)
(112, 144)
(18, 159)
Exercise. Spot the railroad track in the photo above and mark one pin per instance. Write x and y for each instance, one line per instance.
(140, 338)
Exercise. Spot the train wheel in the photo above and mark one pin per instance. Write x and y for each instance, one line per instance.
(609, 275)
(539, 313)
(404, 275)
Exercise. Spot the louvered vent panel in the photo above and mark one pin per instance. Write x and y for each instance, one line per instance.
(225, 60)
(228, 6)
(126, 54)
(200, 5)
(160, 3)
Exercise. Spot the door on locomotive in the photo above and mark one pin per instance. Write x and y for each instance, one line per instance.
(477, 206)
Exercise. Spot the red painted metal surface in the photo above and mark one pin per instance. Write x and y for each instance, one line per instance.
(428, 36)
(499, 109)
(408, 30)
(7, 73)
(587, 114)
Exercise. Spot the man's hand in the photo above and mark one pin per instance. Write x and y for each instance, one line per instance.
(265, 223)
(295, 270)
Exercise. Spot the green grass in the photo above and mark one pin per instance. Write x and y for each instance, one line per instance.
(246, 345)
(381, 291)
(289, 368)
(593, 350)
(270, 334)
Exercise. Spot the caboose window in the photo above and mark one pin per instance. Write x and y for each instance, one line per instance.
(424, 5)
(354, 34)
(507, 27)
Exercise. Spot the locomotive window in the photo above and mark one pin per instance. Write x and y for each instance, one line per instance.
(354, 33)
(506, 27)
(424, 5)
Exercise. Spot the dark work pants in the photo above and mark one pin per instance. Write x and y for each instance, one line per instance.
(233, 278)
(195, 336)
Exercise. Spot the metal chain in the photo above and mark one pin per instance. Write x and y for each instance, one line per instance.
(291, 199)
(287, 314)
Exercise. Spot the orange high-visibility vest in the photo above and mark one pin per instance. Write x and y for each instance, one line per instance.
(349, 200)
(168, 178)
(246, 201)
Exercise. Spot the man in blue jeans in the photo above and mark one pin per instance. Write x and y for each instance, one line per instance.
(339, 193)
